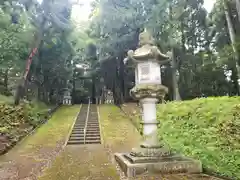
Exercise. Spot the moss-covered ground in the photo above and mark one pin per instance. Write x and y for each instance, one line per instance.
(6, 99)
(95, 162)
(29, 157)
(207, 129)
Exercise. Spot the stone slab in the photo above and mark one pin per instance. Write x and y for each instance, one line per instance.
(176, 164)
(172, 158)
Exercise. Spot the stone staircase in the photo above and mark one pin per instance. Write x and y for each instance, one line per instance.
(88, 120)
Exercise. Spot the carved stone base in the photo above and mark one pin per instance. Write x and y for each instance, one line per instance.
(150, 152)
(133, 166)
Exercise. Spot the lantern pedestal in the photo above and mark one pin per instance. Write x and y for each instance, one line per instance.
(133, 166)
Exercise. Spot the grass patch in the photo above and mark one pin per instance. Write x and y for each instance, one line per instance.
(55, 130)
(118, 132)
(206, 129)
(6, 99)
(133, 112)
(39, 149)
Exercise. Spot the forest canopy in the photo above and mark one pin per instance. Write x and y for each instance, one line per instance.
(41, 45)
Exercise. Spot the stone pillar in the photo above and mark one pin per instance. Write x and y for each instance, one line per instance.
(149, 116)
(152, 155)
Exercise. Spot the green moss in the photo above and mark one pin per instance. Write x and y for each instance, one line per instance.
(37, 150)
(133, 114)
(6, 99)
(94, 161)
(51, 133)
(78, 162)
(206, 129)
(117, 130)
(149, 90)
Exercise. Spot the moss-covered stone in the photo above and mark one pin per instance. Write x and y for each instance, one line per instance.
(149, 91)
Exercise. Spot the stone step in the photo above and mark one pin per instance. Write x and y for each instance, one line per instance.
(92, 127)
(93, 132)
(78, 127)
(87, 134)
(74, 142)
(82, 138)
(92, 135)
(80, 124)
(88, 126)
(77, 132)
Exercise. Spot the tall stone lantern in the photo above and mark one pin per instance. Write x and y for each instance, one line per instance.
(152, 155)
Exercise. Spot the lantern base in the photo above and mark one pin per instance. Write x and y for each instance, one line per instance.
(150, 152)
(133, 166)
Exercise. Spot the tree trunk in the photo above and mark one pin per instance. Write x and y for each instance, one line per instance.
(121, 77)
(22, 84)
(93, 90)
(234, 78)
(176, 94)
(36, 43)
(238, 9)
(5, 82)
(232, 38)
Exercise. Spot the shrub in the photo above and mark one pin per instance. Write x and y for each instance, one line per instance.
(207, 129)
(17, 121)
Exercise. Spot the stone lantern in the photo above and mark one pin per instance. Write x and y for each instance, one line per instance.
(67, 98)
(152, 155)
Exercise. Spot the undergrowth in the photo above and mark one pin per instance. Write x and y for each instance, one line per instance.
(207, 129)
(17, 121)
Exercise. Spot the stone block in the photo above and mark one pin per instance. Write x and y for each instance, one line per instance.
(133, 166)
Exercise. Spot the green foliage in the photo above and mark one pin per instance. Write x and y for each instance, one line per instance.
(196, 37)
(206, 129)
(17, 121)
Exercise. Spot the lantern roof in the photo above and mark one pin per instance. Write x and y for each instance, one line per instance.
(147, 50)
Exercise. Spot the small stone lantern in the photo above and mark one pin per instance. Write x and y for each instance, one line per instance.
(152, 155)
(67, 98)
